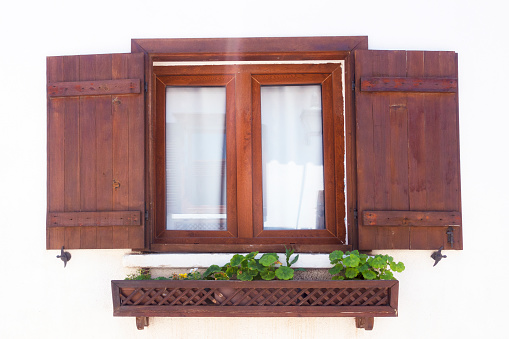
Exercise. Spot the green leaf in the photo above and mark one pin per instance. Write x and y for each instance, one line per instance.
(351, 272)
(212, 269)
(284, 273)
(377, 262)
(254, 265)
(336, 269)
(267, 274)
(335, 257)
(269, 259)
(245, 276)
(221, 276)
(364, 267)
(352, 261)
(230, 271)
(387, 276)
(338, 277)
(251, 255)
(236, 259)
(369, 275)
(294, 260)
(399, 267)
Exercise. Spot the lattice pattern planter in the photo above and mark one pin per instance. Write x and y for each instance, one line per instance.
(295, 298)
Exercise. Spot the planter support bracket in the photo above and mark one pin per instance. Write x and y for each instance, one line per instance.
(141, 322)
(366, 323)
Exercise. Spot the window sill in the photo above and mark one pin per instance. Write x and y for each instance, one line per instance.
(204, 260)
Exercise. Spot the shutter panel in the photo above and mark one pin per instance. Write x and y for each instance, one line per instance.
(407, 136)
(95, 151)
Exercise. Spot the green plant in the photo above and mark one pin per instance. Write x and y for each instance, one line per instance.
(248, 267)
(359, 266)
(141, 274)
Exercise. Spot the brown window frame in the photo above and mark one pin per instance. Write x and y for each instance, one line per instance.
(244, 201)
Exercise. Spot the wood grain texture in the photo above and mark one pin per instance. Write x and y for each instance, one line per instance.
(407, 147)
(249, 45)
(408, 84)
(126, 218)
(104, 87)
(91, 149)
(410, 218)
(164, 298)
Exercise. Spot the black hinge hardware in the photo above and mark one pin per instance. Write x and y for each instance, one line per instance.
(353, 85)
(355, 214)
(450, 236)
(146, 215)
(64, 256)
(437, 255)
(146, 86)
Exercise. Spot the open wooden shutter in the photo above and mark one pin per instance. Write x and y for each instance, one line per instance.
(95, 151)
(408, 174)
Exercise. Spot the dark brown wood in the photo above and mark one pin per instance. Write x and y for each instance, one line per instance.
(95, 152)
(232, 298)
(104, 87)
(242, 247)
(409, 84)
(411, 218)
(126, 218)
(244, 154)
(141, 322)
(366, 323)
(246, 46)
(245, 141)
(407, 150)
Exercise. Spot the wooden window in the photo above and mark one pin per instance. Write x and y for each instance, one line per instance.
(390, 147)
(245, 189)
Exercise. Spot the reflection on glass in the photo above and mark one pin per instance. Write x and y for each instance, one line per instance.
(292, 157)
(196, 158)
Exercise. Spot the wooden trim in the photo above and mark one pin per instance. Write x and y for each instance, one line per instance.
(411, 218)
(409, 84)
(239, 247)
(249, 45)
(94, 87)
(111, 218)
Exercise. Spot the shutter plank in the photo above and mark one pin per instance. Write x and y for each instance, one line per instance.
(120, 151)
(98, 87)
(77, 219)
(411, 218)
(365, 164)
(408, 84)
(136, 110)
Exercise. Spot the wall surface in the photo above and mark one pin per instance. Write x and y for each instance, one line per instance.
(455, 299)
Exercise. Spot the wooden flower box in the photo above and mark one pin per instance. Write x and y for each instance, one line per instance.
(362, 299)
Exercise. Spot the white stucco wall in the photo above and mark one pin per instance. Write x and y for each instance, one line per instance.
(456, 299)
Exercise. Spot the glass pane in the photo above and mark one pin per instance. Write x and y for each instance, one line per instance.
(196, 158)
(292, 157)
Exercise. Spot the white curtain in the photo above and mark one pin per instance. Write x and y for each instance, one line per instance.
(292, 157)
(196, 158)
